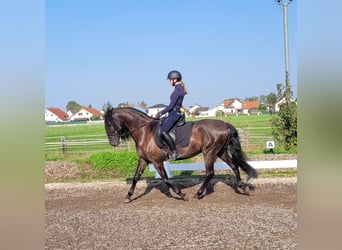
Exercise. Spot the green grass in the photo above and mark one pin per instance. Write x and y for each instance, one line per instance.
(243, 121)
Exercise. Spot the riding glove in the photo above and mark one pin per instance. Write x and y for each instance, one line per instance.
(158, 115)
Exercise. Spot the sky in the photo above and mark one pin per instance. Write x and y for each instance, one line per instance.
(121, 51)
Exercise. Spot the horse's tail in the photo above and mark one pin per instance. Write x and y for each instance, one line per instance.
(238, 157)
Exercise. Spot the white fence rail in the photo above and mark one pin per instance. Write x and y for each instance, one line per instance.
(87, 143)
(223, 166)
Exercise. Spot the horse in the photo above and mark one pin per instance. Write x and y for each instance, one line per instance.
(214, 138)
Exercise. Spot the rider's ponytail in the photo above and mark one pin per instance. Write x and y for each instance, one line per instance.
(184, 88)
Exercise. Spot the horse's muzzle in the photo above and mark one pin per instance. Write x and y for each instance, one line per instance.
(114, 142)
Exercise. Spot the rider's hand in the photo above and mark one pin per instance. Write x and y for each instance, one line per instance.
(158, 115)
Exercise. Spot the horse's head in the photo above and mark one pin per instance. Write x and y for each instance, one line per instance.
(113, 128)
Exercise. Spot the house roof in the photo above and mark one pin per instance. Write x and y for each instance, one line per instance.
(92, 111)
(59, 113)
(227, 103)
(250, 105)
(158, 106)
(201, 109)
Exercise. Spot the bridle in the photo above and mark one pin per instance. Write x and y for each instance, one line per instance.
(117, 129)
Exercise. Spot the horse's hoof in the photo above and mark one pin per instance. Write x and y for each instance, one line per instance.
(185, 198)
(127, 200)
(198, 196)
(246, 187)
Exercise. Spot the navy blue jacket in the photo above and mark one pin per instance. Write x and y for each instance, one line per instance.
(176, 99)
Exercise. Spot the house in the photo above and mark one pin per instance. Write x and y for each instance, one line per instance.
(203, 111)
(197, 110)
(279, 103)
(193, 110)
(249, 108)
(86, 114)
(153, 110)
(232, 107)
(71, 113)
(55, 115)
(228, 107)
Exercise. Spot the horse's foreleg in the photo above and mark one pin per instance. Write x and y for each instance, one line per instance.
(209, 173)
(138, 172)
(208, 176)
(161, 170)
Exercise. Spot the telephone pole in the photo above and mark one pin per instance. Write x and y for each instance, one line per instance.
(283, 5)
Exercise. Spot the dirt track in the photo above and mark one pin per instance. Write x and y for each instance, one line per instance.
(93, 216)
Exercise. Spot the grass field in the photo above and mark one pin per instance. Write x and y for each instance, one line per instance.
(84, 139)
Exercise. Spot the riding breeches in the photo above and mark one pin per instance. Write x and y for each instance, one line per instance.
(171, 120)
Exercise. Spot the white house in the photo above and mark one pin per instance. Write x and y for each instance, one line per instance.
(55, 115)
(251, 107)
(153, 110)
(213, 111)
(85, 114)
(279, 103)
(194, 109)
(232, 107)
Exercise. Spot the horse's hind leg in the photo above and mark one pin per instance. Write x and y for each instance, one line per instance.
(239, 183)
(226, 158)
(139, 171)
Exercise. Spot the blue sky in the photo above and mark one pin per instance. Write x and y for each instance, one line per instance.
(121, 51)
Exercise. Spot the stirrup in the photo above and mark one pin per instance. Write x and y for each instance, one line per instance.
(174, 156)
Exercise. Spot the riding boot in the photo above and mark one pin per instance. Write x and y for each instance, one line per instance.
(169, 141)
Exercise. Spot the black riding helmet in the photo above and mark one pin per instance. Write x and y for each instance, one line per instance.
(174, 74)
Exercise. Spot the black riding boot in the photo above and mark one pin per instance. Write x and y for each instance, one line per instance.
(169, 141)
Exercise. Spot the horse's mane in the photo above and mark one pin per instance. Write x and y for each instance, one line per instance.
(133, 110)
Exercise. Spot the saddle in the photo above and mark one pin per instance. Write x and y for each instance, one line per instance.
(180, 133)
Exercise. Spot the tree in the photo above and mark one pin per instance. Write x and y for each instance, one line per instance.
(142, 104)
(280, 93)
(219, 113)
(285, 125)
(73, 106)
(251, 98)
(271, 101)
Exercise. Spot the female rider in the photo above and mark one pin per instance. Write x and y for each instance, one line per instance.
(173, 110)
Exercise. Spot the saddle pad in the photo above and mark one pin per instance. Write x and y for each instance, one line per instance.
(183, 134)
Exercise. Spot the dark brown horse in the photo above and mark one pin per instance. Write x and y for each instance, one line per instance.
(214, 138)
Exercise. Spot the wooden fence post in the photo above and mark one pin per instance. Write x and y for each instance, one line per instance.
(64, 145)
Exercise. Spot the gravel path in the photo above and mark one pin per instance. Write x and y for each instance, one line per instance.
(93, 216)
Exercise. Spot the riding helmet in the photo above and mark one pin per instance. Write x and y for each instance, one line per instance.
(174, 74)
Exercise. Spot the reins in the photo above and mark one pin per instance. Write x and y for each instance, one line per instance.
(145, 124)
(117, 128)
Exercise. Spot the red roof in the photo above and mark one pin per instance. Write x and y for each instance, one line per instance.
(226, 103)
(59, 113)
(250, 105)
(93, 111)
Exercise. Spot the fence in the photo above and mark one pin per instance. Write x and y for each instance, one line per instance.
(277, 164)
(251, 139)
(91, 143)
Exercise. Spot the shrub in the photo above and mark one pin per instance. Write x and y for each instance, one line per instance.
(285, 126)
(122, 163)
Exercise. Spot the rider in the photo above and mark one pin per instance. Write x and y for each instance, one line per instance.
(173, 110)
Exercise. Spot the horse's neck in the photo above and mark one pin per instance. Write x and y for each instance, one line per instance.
(135, 121)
